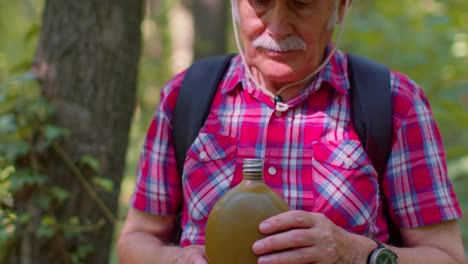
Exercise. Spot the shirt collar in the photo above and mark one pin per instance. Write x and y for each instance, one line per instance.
(335, 73)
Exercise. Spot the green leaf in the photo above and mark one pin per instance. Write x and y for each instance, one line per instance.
(12, 147)
(84, 250)
(44, 201)
(53, 132)
(24, 218)
(6, 220)
(45, 232)
(8, 123)
(48, 220)
(24, 177)
(74, 220)
(59, 194)
(81, 253)
(91, 162)
(5, 173)
(47, 228)
(43, 110)
(106, 184)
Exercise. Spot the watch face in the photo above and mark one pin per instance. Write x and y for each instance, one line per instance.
(386, 256)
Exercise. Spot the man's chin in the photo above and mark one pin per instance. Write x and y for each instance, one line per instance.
(276, 70)
(281, 77)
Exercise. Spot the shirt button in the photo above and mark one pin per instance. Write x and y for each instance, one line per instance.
(272, 170)
(203, 155)
(348, 161)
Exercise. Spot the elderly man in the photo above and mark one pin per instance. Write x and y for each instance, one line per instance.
(286, 53)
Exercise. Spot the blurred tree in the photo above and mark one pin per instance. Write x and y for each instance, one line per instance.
(86, 61)
(210, 26)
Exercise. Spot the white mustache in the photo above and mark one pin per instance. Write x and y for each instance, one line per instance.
(289, 43)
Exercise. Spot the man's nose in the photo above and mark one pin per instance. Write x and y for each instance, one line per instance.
(279, 24)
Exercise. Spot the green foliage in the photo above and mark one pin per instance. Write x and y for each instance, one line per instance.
(81, 253)
(90, 162)
(428, 41)
(50, 196)
(47, 228)
(27, 137)
(19, 27)
(25, 177)
(105, 184)
(23, 115)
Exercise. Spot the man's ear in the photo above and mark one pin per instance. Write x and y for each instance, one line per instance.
(342, 9)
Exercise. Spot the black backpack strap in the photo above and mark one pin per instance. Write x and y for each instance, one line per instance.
(372, 108)
(372, 115)
(194, 102)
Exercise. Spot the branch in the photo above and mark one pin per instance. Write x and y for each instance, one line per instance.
(82, 229)
(86, 185)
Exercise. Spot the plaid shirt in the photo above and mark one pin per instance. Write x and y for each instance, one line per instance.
(312, 156)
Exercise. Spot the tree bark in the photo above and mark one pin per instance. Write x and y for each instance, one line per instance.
(210, 26)
(87, 60)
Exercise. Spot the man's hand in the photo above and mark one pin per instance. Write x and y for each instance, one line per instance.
(300, 237)
(191, 255)
(147, 238)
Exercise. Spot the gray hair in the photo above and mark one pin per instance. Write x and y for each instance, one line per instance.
(332, 21)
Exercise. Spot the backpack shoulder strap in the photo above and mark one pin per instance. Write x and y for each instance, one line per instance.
(372, 116)
(372, 108)
(194, 101)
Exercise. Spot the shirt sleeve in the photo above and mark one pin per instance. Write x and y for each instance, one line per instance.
(158, 184)
(417, 181)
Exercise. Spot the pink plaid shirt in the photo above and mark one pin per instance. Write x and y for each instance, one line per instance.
(312, 156)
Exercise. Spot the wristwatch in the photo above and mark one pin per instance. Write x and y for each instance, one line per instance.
(382, 255)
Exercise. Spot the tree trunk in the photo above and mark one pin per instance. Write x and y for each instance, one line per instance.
(86, 61)
(210, 26)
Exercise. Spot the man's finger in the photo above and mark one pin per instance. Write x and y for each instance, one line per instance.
(296, 238)
(293, 256)
(288, 220)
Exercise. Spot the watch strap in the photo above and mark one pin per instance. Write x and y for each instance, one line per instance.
(379, 246)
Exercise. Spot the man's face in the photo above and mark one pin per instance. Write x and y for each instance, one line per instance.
(285, 40)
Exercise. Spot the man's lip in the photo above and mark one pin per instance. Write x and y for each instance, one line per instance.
(274, 53)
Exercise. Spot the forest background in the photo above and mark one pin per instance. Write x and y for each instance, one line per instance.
(425, 39)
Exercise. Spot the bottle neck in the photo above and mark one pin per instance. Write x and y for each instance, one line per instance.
(252, 169)
(252, 176)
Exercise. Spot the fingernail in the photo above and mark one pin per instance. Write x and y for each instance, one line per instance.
(258, 247)
(265, 227)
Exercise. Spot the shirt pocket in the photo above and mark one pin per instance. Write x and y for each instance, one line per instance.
(208, 172)
(346, 184)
